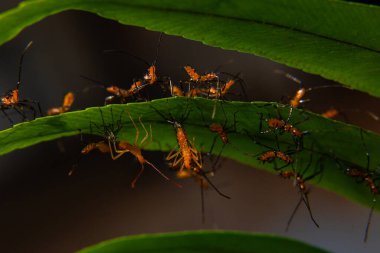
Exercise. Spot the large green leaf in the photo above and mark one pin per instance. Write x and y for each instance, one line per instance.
(202, 242)
(336, 39)
(325, 139)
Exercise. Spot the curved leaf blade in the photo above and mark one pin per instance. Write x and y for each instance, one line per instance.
(202, 241)
(319, 37)
(325, 139)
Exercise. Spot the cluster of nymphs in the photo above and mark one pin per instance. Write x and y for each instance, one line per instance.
(186, 159)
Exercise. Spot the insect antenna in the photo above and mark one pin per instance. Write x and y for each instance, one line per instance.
(126, 53)
(135, 56)
(97, 82)
(157, 49)
(20, 64)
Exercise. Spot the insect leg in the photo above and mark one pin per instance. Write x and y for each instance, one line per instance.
(369, 220)
(7, 116)
(293, 214)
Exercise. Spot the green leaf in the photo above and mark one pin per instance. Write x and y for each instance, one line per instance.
(338, 40)
(325, 139)
(202, 241)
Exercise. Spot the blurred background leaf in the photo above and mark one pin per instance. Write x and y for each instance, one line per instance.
(203, 241)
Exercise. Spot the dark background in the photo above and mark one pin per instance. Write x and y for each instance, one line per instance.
(42, 209)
